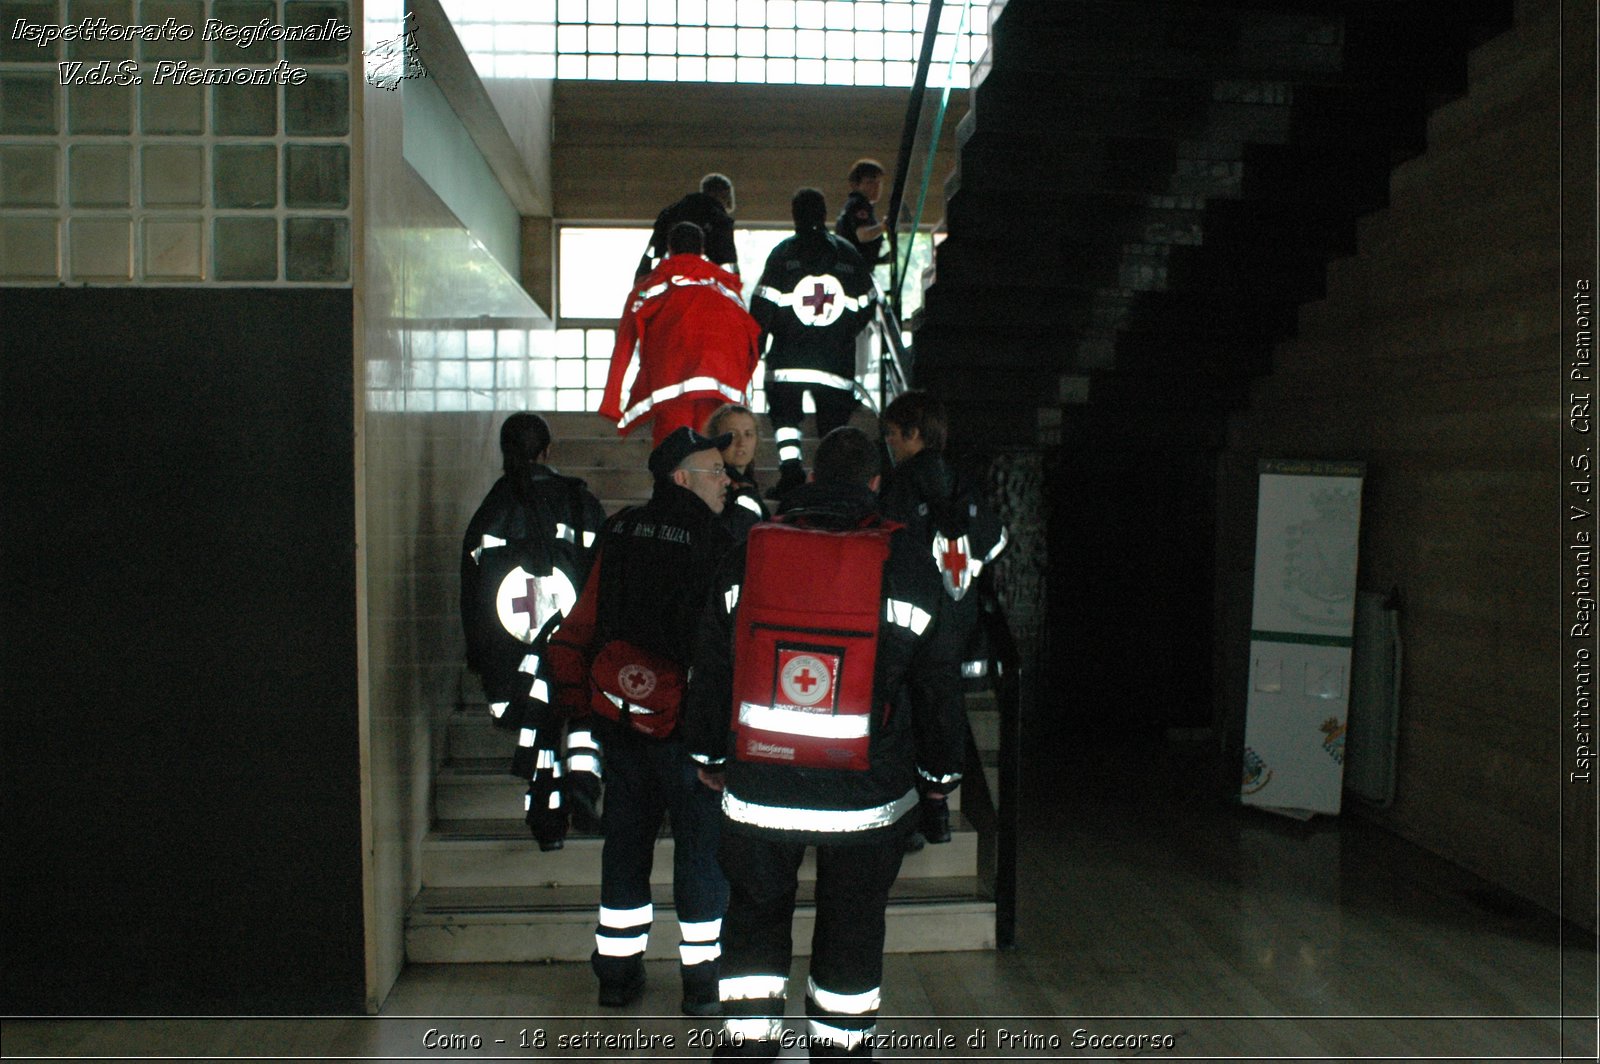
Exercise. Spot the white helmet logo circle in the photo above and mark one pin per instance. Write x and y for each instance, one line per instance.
(819, 299)
(524, 602)
(805, 680)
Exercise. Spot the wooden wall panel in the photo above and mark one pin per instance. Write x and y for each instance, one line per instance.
(624, 150)
(1433, 359)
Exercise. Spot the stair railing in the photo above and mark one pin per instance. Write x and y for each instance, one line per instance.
(908, 140)
(995, 815)
(894, 366)
(893, 359)
(1006, 664)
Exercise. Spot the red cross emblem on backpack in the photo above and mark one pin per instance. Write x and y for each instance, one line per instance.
(807, 680)
(956, 565)
(636, 682)
(811, 603)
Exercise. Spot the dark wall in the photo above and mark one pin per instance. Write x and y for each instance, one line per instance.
(181, 762)
(1131, 516)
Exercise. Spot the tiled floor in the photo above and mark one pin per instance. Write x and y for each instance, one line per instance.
(1154, 921)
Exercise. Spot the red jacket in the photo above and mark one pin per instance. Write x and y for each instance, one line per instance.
(687, 330)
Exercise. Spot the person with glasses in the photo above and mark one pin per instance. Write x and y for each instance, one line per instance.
(621, 660)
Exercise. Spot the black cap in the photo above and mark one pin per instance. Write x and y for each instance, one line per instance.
(681, 444)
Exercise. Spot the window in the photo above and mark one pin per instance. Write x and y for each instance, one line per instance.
(832, 42)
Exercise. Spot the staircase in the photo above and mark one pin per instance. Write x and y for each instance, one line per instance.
(1146, 192)
(489, 895)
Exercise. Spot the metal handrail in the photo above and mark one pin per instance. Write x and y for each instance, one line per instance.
(893, 358)
(904, 266)
(908, 139)
(996, 814)
(894, 361)
(1006, 662)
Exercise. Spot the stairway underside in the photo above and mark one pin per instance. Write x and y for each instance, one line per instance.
(1148, 190)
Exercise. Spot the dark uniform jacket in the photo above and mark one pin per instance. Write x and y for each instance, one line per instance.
(946, 513)
(858, 212)
(813, 297)
(744, 508)
(920, 737)
(654, 566)
(703, 210)
(546, 529)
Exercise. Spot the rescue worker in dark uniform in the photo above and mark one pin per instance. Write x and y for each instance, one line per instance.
(524, 559)
(712, 210)
(858, 223)
(624, 653)
(745, 508)
(948, 515)
(908, 739)
(814, 296)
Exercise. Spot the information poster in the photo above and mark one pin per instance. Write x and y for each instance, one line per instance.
(1302, 624)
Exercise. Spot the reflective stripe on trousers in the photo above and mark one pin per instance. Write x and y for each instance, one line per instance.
(623, 932)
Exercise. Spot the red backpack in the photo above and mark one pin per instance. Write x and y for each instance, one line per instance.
(806, 646)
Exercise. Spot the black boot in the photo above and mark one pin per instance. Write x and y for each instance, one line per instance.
(621, 979)
(791, 475)
(700, 990)
(935, 814)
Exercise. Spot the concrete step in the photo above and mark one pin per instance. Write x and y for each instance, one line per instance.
(501, 853)
(471, 734)
(1189, 113)
(556, 923)
(586, 445)
(630, 483)
(481, 789)
(474, 783)
(478, 789)
(985, 722)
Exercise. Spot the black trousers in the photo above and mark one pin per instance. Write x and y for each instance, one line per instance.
(852, 892)
(785, 406)
(647, 779)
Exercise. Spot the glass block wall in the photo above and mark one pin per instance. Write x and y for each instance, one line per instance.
(778, 42)
(175, 141)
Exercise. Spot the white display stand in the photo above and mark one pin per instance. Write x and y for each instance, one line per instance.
(1301, 628)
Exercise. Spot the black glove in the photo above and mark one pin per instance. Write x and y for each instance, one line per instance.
(934, 814)
(583, 800)
(544, 809)
(791, 475)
